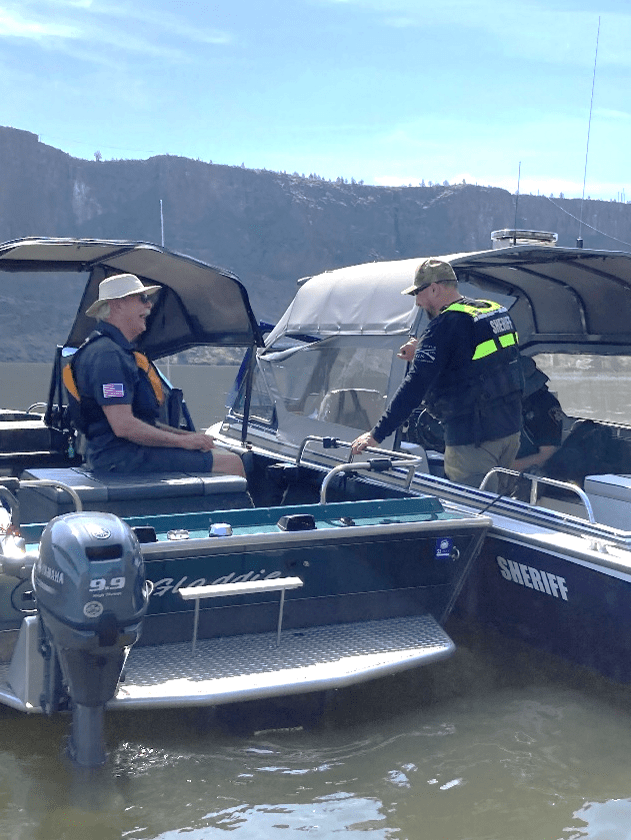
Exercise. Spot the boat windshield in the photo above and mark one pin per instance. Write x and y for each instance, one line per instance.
(338, 380)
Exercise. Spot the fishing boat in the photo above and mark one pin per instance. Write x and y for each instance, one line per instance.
(173, 590)
(555, 569)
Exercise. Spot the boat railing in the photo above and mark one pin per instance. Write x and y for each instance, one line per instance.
(40, 406)
(248, 587)
(9, 493)
(385, 460)
(325, 442)
(378, 464)
(536, 482)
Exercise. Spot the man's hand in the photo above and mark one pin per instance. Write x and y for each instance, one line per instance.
(125, 425)
(363, 442)
(406, 352)
(196, 440)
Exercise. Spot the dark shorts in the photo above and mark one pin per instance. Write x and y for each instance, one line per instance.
(157, 459)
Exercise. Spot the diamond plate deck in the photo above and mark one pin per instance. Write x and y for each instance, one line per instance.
(238, 668)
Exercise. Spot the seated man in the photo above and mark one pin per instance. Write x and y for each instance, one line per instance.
(119, 395)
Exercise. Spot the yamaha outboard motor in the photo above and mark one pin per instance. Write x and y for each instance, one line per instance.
(91, 593)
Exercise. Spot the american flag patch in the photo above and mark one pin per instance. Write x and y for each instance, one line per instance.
(113, 389)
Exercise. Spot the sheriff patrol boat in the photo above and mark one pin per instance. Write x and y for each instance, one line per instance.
(555, 568)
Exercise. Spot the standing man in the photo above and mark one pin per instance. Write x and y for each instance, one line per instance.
(466, 372)
(118, 394)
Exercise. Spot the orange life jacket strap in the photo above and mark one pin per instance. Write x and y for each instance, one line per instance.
(144, 364)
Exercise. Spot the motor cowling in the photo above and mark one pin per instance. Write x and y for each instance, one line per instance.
(91, 593)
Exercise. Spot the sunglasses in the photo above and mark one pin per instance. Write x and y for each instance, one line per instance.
(144, 298)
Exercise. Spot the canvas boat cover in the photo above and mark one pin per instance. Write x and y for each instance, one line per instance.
(198, 305)
(561, 299)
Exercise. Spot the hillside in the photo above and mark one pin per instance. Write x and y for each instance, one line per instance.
(269, 228)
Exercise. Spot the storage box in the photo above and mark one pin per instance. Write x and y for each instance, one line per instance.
(610, 496)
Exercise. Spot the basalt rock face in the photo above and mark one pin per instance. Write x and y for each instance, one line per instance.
(269, 228)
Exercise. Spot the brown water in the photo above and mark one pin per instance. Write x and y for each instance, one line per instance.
(479, 748)
(495, 744)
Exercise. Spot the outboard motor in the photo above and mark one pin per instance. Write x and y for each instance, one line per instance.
(89, 582)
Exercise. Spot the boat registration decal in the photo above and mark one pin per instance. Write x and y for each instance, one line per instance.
(533, 578)
(444, 547)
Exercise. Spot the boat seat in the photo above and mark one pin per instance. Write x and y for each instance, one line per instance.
(25, 432)
(127, 495)
(359, 408)
(26, 438)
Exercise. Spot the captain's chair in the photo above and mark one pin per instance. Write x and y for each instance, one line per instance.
(359, 408)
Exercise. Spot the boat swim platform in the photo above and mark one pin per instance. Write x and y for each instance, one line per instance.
(233, 669)
(254, 666)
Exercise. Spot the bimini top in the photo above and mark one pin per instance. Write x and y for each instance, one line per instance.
(198, 304)
(561, 299)
(361, 299)
(566, 299)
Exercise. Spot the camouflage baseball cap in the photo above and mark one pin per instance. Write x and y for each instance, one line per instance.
(430, 271)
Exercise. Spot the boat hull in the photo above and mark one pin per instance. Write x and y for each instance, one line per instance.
(563, 604)
(295, 599)
(398, 558)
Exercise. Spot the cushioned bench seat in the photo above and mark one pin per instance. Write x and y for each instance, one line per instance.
(130, 494)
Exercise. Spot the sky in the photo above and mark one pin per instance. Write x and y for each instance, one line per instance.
(525, 95)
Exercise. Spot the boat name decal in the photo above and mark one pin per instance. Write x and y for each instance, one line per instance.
(52, 574)
(161, 587)
(533, 578)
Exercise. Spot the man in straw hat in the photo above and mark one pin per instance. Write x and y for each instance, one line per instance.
(118, 394)
(465, 371)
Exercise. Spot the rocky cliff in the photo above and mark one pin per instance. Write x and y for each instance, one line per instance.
(269, 228)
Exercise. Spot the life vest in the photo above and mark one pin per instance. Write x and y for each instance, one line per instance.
(493, 374)
(85, 414)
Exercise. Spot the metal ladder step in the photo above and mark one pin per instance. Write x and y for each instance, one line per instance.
(237, 668)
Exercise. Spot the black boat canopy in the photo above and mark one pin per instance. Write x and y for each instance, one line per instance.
(567, 299)
(198, 304)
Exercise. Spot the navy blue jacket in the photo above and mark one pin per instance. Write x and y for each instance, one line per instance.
(106, 373)
(466, 371)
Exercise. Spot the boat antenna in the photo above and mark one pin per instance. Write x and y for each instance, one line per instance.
(516, 203)
(579, 241)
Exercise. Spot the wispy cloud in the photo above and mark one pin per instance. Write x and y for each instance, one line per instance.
(13, 24)
(76, 26)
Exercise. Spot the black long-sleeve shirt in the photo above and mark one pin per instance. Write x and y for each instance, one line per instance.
(444, 357)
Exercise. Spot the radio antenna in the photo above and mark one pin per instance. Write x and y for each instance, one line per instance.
(579, 241)
(516, 203)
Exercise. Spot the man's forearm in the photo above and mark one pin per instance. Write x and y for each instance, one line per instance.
(137, 431)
